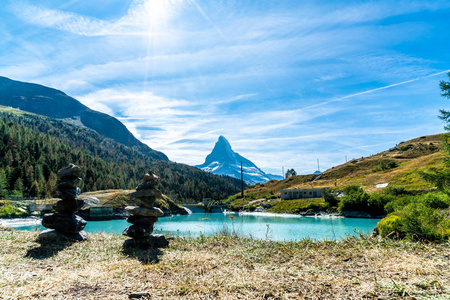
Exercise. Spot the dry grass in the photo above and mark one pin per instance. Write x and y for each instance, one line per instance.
(106, 195)
(362, 171)
(223, 267)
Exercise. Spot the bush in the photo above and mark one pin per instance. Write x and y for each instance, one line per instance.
(392, 164)
(12, 210)
(436, 200)
(330, 197)
(421, 219)
(377, 202)
(355, 198)
(385, 166)
(406, 147)
(395, 190)
(391, 224)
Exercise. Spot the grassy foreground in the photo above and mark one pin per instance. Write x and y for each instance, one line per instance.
(223, 266)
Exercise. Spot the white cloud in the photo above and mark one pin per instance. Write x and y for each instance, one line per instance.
(285, 82)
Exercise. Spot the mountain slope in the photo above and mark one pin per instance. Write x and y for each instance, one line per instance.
(398, 166)
(53, 103)
(224, 161)
(35, 147)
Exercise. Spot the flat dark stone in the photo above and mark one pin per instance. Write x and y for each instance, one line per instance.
(70, 183)
(71, 171)
(158, 241)
(141, 220)
(64, 223)
(153, 241)
(146, 202)
(69, 206)
(71, 193)
(137, 295)
(144, 211)
(53, 235)
(147, 185)
(138, 231)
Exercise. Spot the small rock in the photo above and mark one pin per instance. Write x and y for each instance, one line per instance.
(53, 235)
(150, 177)
(158, 241)
(137, 295)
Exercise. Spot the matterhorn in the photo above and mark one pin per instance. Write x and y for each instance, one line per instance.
(224, 161)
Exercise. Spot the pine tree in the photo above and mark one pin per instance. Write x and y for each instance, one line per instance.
(442, 178)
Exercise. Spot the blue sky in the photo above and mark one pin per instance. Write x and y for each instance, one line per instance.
(286, 82)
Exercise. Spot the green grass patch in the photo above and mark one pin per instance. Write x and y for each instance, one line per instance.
(298, 205)
(12, 209)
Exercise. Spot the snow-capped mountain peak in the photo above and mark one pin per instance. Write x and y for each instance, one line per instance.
(224, 161)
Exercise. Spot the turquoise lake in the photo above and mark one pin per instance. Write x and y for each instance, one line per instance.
(262, 226)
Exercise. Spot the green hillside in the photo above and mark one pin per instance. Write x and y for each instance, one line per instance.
(33, 148)
(398, 166)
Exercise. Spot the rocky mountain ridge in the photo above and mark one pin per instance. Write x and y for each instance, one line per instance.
(56, 104)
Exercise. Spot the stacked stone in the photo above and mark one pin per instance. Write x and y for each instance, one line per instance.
(144, 215)
(65, 224)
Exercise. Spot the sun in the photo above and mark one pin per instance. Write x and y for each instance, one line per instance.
(157, 13)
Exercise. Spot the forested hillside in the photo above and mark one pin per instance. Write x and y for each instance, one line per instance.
(33, 148)
(54, 103)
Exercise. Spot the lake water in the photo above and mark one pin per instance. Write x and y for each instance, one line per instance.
(263, 226)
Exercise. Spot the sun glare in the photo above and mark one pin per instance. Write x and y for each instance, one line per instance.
(157, 13)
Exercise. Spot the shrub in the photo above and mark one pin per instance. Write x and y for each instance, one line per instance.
(419, 220)
(392, 164)
(391, 224)
(406, 147)
(12, 210)
(377, 202)
(330, 197)
(355, 198)
(395, 190)
(436, 200)
(385, 166)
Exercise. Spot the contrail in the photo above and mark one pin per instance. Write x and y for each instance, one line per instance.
(202, 12)
(377, 89)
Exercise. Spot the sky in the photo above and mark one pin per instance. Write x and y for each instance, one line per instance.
(286, 82)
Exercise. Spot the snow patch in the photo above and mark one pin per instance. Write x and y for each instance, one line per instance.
(381, 185)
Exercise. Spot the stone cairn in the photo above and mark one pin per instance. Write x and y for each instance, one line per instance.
(65, 224)
(144, 215)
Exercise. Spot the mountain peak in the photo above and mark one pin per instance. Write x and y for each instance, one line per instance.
(222, 142)
(224, 161)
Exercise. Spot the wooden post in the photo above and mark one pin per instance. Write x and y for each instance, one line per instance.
(242, 182)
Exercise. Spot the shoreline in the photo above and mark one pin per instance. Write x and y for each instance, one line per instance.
(284, 215)
(321, 214)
